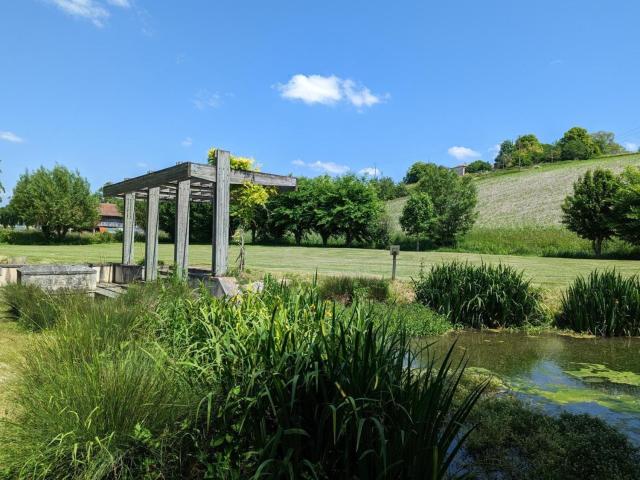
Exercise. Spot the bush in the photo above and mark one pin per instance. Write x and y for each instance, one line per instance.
(345, 289)
(414, 318)
(480, 296)
(515, 441)
(605, 303)
(479, 166)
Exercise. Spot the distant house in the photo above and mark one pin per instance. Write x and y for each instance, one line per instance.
(110, 218)
(460, 169)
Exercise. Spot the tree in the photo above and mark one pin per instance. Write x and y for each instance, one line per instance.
(290, 211)
(627, 206)
(8, 218)
(454, 201)
(387, 189)
(322, 220)
(56, 200)
(588, 212)
(355, 209)
(415, 172)
(528, 150)
(418, 216)
(504, 159)
(577, 144)
(606, 143)
(478, 166)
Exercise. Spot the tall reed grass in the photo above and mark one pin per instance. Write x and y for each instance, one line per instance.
(480, 295)
(605, 303)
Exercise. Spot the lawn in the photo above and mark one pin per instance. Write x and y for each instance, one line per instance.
(527, 197)
(544, 271)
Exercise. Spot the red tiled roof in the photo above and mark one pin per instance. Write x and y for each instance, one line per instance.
(109, 210)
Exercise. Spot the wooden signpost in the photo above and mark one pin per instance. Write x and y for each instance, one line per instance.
(395, 251)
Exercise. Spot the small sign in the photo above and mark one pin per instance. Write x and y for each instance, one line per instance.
(395, 250)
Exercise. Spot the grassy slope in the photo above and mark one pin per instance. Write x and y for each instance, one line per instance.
(548, 272)
(528, 197)
(13, 341)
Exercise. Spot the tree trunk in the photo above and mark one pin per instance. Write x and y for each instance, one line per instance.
(298, 236)
(348, 239)
(325, 239)
(417, 244)
(597, 246)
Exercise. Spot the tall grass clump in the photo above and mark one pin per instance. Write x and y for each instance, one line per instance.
(480, 295)
(96, 399)
(605, 303)
(299, 388)
(36, 309)
(345, 289)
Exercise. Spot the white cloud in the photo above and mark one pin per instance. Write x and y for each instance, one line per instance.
(324, 167)
(312, 89)
(631, 146)
(495, 149)
(206, 99)
(370, 171)
(93, 10)
(187, 142)
(462, 153)
(11, 137)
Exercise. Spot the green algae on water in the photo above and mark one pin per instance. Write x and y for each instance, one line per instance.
(595, 373)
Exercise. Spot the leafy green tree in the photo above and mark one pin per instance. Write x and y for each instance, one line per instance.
(387, 189)
(589, 211)
(418, 216)
(577, 144)
(627, 206)
(454, 201)
(478, 166)
(415, 172)
(291, 211)
(56, 200)
(323, 222)
(356, 207)
(528, 150)
(504, 159)
(8, 218)
(606, 143)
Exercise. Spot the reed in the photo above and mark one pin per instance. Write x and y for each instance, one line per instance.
(479, 296)
(604, 303)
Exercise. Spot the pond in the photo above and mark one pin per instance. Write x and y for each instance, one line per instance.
(599, 376)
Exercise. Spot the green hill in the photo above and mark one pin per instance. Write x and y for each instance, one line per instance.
(528, 197)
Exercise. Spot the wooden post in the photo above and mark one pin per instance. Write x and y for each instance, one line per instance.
(221, 214)
(151, 244)
(395, 250)
(129, 227)
(181, 246)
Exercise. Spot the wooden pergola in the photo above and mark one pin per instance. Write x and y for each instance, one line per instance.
(185, 183)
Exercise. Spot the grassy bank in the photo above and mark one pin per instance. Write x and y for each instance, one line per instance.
(13, 342)
(546, 272)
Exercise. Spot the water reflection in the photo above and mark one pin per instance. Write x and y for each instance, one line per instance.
(595, 375)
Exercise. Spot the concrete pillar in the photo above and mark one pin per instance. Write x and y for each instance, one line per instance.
(151, 244)
(181, 245)
(128, 231)
(221, 213)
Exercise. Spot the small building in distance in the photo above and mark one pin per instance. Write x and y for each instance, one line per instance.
(460, 169)
(111, 219)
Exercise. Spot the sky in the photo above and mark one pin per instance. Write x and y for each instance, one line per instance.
(115, 88)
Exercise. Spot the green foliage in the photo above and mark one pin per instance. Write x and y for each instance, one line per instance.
(387, 189)
(479, 296)
(416, 319)
(415, 172)
(605, 303)
(96, 401)
(479, 166)
(577, 144)
(418, 216)
(626, 207)
(8, 217)
(36, 237)
(588, 212)
(56, 200)
(504, 159)
(528, 150)
(355, 208)
(605, 141)
(517, 442)
(346, 289)
(454, 201)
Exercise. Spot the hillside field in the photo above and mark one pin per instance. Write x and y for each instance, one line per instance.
(529, 197)
(546, 272)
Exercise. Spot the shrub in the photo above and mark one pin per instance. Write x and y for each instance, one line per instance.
(515, 441)
(479, 295)
(415, 319)
(605, 303)
(479, 166)
(345, 289)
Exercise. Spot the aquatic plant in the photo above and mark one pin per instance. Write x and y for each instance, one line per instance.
(345, 289)
(480, 295)
(605, 303)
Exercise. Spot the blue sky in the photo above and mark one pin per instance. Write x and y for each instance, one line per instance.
(115, 88)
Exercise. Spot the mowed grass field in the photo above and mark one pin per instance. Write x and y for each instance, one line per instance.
(528, 197)
(547, 272)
